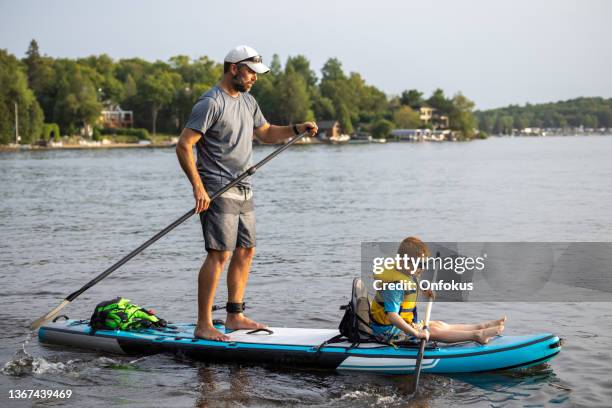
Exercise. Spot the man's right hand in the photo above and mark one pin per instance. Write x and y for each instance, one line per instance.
(202, 200)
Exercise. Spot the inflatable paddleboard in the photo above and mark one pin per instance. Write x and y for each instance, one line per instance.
(298, 346)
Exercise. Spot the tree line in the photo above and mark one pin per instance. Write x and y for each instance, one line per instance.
(587, 112)
(68, 94)
(72, 93)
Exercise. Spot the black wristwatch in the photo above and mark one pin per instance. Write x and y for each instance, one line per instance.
(295, 130)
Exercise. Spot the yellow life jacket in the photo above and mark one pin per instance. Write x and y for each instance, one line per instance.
(408, 308)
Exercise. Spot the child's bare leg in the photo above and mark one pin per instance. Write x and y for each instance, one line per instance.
(459, 327)
(481, 336)
(451, 336)
(466, 327)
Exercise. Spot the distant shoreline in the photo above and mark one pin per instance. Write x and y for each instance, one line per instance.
(166, 145)
(14, 148)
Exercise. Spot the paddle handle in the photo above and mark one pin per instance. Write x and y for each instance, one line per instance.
(431, 299)
(427, 313)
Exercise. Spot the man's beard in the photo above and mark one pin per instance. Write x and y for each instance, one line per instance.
(239, 85)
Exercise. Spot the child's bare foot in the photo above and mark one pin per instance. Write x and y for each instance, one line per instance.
(209, 333)
(483, 336)
(237, 321)
(493, 323)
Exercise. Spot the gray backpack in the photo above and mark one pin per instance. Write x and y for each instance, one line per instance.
(355, 324)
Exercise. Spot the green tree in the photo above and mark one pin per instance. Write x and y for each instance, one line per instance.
(335, 87)
(486, 123)
(324, 108)
(573, 113)
(157, 90)
(346, 122)
(275, 66)
(41, 78)
(130, 87)
(406, 118)
(412, 98)
(202, 71)
(520, 122)
(332, 70)
(368, 102)
(354, 101)
(14, 90)
(589, 121)
(102, 68)
(293, 98)
(381, 128)
(76, 104)
(301, 66)
(438, 101)
(503, 125)
(604, 116)
(461, 117)
(134, 67)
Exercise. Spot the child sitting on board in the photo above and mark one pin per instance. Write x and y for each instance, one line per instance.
(393, 312)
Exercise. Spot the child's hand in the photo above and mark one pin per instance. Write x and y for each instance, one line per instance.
(423, 334)
(430, 293)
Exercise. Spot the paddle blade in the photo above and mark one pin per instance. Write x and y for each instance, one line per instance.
(41, 320)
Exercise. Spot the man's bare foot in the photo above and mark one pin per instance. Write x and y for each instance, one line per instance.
(237, 321)
(483, 336)
(209, 333)
(493, 323)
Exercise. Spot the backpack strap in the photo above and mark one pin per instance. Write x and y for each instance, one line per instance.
(336, 339)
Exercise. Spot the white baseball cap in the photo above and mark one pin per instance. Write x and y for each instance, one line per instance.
(247, 56)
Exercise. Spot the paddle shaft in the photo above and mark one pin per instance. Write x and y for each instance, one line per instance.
(163, 232)
(417, 369)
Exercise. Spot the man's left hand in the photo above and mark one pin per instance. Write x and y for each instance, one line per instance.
(310, 127)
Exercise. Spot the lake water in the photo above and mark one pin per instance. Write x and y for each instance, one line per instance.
(65, 216)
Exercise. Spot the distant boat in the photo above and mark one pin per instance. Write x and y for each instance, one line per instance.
(340, 139)
(360, 139)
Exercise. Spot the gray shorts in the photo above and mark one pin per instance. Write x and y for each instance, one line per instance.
(229, 222)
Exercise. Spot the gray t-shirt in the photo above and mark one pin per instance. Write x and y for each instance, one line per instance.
(226, 124)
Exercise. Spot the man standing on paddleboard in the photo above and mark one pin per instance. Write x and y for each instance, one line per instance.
(221, 126)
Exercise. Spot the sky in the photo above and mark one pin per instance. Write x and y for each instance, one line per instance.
(495, 52)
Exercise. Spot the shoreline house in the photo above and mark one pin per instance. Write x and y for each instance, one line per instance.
(435, 127)
(329, 129)
(115, 117)
(429, 115)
